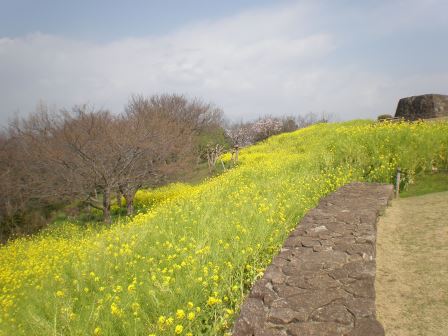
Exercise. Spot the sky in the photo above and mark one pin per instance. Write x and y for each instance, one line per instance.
(349, 59)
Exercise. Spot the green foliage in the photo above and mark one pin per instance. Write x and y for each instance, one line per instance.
(185, 265)
(215, 135)
(212, 136)
(427, 183)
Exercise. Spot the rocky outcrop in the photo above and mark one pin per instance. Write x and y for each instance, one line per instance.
(422, 107)
(322, 281)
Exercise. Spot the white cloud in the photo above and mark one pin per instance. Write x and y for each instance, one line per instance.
(271, 61)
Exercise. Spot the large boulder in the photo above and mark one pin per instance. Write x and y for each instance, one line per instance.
(422, 107)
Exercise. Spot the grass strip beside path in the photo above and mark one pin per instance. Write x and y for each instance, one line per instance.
(426, 184)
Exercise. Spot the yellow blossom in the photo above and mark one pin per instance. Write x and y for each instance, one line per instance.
(180, 314)
(178, 330)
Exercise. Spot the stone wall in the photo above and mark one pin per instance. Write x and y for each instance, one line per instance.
(422, 107)
(322, 281)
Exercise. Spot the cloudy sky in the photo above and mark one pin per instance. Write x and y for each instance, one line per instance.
(348, 58)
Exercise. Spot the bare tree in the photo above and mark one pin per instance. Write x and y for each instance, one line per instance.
(90, 154)
(312, 118)
(289, 124)
(212, 152)
(240, 134)
(10, 201)
(158, 143)
(265, 127)
(21, 212)
(70, 155)
(198, 115)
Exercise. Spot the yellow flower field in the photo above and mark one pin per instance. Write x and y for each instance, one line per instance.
(184, 266)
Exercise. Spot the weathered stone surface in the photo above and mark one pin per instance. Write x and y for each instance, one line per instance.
(273, 332)
(360, 269)
(322, 281)
(288, 291)
(422, 107)
(286, 315)
(310, 242)
(367, 326)
(252, 319)
(333, 313)
(274, 274)
(318, 329)
(360, 307)
(315, 299)
(362, 288)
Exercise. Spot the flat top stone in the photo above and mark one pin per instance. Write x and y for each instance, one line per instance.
(422, 107)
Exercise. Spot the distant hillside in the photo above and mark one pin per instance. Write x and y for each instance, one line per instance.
(185, 266)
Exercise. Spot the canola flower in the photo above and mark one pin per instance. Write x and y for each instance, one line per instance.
(184, 265)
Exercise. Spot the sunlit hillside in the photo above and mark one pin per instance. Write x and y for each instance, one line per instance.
(185, 265)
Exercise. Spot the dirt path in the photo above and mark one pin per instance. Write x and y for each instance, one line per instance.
(412, 266)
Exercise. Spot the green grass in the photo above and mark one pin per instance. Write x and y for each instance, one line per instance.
(426, 184)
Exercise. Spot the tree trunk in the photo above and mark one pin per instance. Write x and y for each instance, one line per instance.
(236, 155)
(119, 195)
(106, 206)
(129, 197)
(209, 162)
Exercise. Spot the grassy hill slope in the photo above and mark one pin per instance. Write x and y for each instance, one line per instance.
(184, 266)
